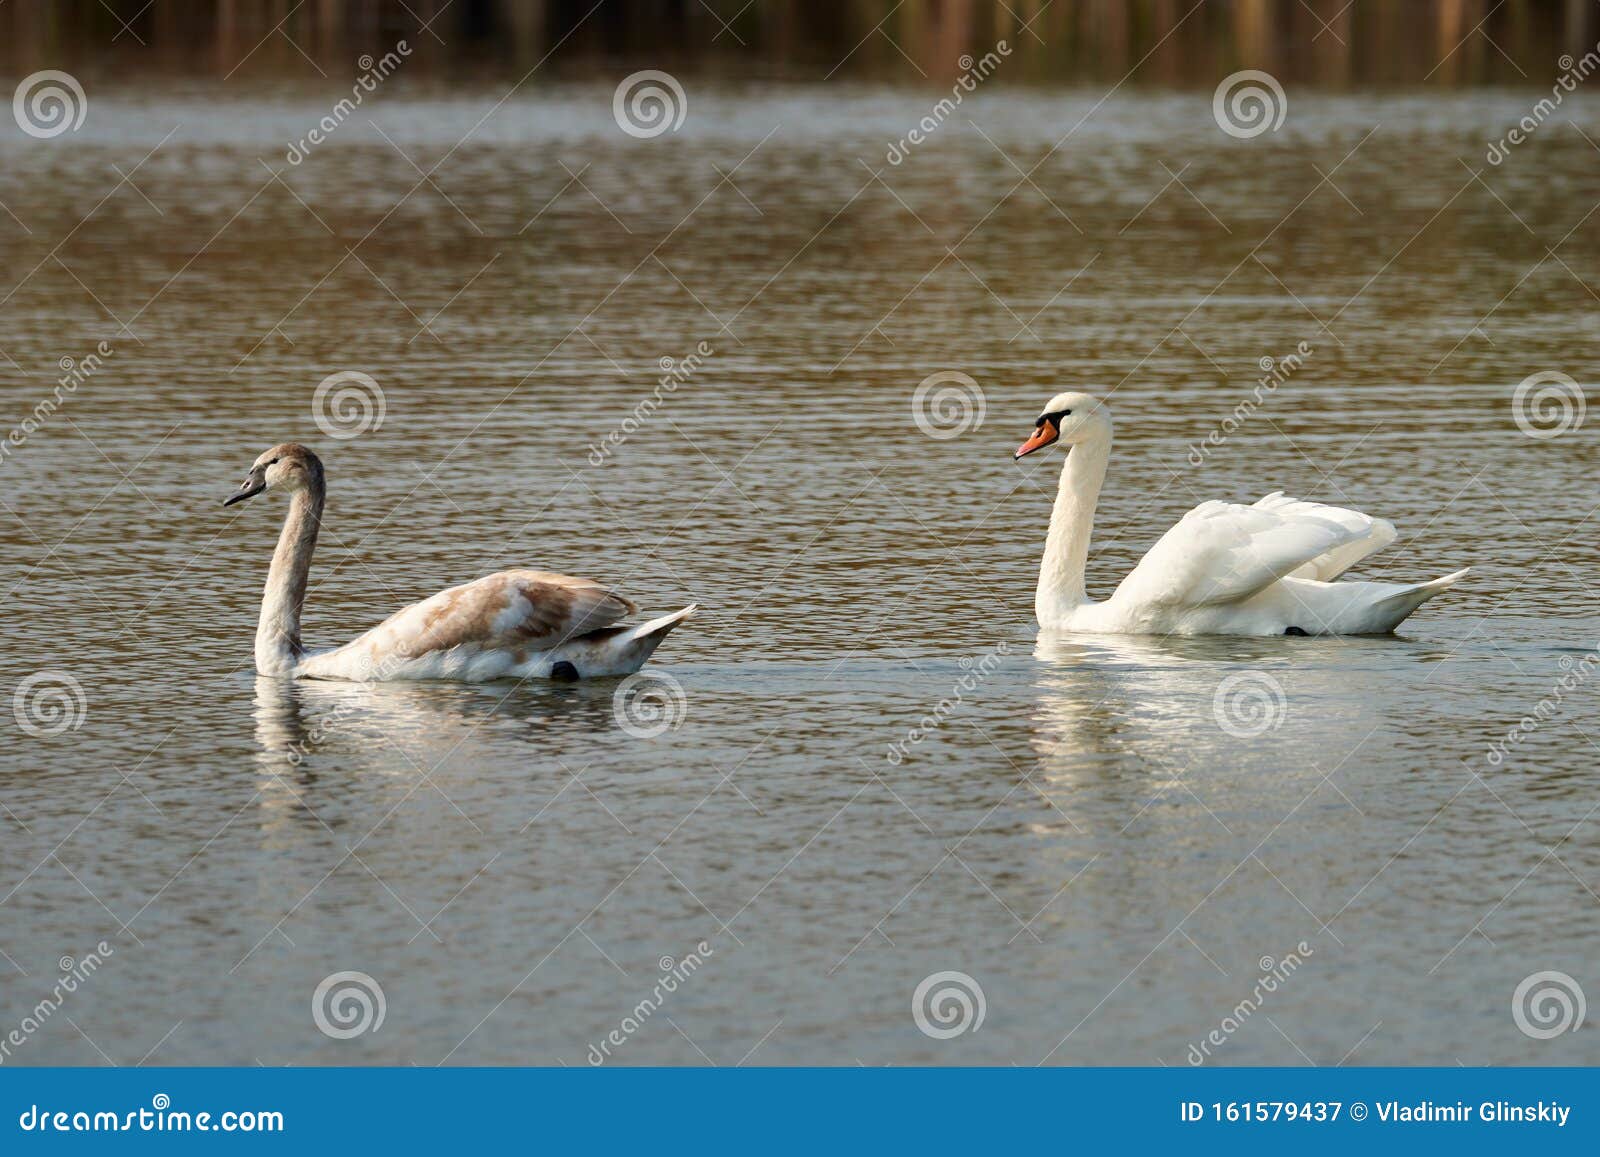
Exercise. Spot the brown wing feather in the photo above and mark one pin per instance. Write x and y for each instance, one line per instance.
(512, 610)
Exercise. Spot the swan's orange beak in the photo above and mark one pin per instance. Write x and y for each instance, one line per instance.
(1045, 434)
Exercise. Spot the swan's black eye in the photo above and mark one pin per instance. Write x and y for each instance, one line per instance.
(274, 462)
(1066, 413)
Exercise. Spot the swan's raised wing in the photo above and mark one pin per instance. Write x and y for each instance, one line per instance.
(1223, 551)
(1375, 534)
(514, 611)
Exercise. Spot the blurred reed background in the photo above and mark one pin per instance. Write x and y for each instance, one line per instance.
(1333, 42)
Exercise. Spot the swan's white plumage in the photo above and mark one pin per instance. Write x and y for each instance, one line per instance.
(1222, 552)
(1225, 568)
(1371, 534)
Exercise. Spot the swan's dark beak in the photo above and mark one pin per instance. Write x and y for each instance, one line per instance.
(1046, 433)
(249, 488)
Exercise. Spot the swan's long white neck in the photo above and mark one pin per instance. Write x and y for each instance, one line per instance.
(1066, 548)
(278, 630)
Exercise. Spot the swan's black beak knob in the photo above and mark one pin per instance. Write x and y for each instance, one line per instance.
(1043, 435)
(249, 488)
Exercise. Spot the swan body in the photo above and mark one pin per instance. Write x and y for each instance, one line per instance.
(514, 624)
(1272, 568)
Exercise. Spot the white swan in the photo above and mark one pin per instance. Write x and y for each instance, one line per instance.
(514, 624)
(1225, 569)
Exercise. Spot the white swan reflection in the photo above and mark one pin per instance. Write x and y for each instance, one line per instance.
(1174, 701)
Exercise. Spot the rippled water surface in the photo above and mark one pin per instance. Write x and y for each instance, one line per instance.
(1073, 828)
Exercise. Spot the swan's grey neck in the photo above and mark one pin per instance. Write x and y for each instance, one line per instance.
(1066, 548)
(278, 631)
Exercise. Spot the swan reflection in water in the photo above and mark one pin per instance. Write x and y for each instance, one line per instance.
(1168, 704)
(299, 719)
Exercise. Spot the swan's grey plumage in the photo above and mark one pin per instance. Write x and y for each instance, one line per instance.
(516, 623)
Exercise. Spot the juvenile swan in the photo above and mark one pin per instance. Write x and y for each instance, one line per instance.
(517, 623)
(1225, 569)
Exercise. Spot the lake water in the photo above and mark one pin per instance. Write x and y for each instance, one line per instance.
(1076, 831)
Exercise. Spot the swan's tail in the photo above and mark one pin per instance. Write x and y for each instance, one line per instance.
(658, 629)
(618, 650)
(1393, 609)
(633, 647)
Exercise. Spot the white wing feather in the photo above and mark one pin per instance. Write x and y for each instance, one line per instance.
(1375, 534)
(1223, 551)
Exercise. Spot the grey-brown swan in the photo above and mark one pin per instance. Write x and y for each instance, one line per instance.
(514, 624)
